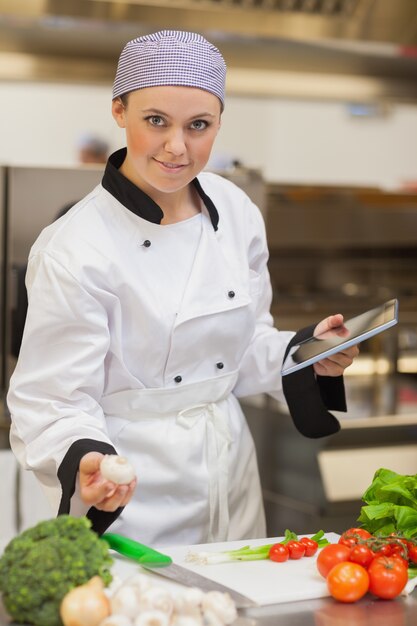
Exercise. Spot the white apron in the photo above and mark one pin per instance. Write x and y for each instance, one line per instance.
(108, 336)
(208, 447)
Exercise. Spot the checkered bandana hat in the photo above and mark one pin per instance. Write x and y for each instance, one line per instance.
(170, 57)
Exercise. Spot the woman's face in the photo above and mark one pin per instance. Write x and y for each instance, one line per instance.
(170, 132)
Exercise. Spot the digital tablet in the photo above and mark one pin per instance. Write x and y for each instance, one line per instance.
(353, 331)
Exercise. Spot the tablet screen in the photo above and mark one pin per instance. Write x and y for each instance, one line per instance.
(353, 331)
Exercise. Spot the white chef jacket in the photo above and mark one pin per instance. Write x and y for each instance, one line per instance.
(119, 354)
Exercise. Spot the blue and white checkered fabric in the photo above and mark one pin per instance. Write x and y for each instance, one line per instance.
(170, 57)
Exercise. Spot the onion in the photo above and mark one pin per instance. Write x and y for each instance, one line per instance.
(117, 469)
(86, 605)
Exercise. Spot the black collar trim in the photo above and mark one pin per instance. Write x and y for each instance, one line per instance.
(136, 200)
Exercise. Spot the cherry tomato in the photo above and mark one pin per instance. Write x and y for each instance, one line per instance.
(387, 577)
(401, 549)
(330, 555)
(361, 532)
(401, 539)
(352, 536)
(350, 542)
(362, 555)
(279, 553)
(296, 549)
(384, 550)
(347, 582)
(310, 544)
(412, 552)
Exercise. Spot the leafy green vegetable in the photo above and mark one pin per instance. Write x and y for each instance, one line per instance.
(39, 566)
(391, 504)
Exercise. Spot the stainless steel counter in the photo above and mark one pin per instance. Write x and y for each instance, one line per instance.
(325, 612)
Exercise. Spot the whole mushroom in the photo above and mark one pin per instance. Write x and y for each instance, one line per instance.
(117, 469)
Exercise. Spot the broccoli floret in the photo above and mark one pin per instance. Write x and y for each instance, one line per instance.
(39, 566)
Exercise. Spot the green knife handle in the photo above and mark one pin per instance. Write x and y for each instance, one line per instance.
(137, 551)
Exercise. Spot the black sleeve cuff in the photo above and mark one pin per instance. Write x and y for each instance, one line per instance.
(332, 391)
(67, 475)
(309, 397)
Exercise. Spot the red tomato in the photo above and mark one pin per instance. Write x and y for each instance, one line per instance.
(401, 549)
(330, 555)
(362, 555)
(347, 582)
(361, 532)
(384, 550)
(279, 553)
(296, 549)
(400, 539)
(387, 577)
(401, 559)
(310, 544)
(352, 536)
(412, 552)
(350, 542)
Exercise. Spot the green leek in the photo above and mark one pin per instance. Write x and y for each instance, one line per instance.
(248, 553)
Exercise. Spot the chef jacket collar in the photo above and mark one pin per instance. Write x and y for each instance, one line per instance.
(136, 200)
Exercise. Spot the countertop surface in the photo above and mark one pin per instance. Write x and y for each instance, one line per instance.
(324, 612)
(327, 612)
(313, 612)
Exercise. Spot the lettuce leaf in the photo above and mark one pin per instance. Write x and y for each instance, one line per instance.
(390, 504)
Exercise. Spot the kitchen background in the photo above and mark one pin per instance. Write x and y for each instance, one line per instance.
(320, 128)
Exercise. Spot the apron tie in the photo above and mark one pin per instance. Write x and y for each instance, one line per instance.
(218, 438)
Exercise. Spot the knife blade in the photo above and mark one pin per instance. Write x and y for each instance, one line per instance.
(162, 564)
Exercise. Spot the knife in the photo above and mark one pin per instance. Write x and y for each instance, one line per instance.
(162, 564)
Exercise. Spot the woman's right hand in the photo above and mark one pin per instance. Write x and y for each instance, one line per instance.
(97, 491)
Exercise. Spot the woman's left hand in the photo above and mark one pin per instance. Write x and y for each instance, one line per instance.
(96, 491)
(336, 364)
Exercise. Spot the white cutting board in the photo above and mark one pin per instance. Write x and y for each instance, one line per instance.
(265, 582)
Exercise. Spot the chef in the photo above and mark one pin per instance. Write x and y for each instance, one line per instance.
(149, 317)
